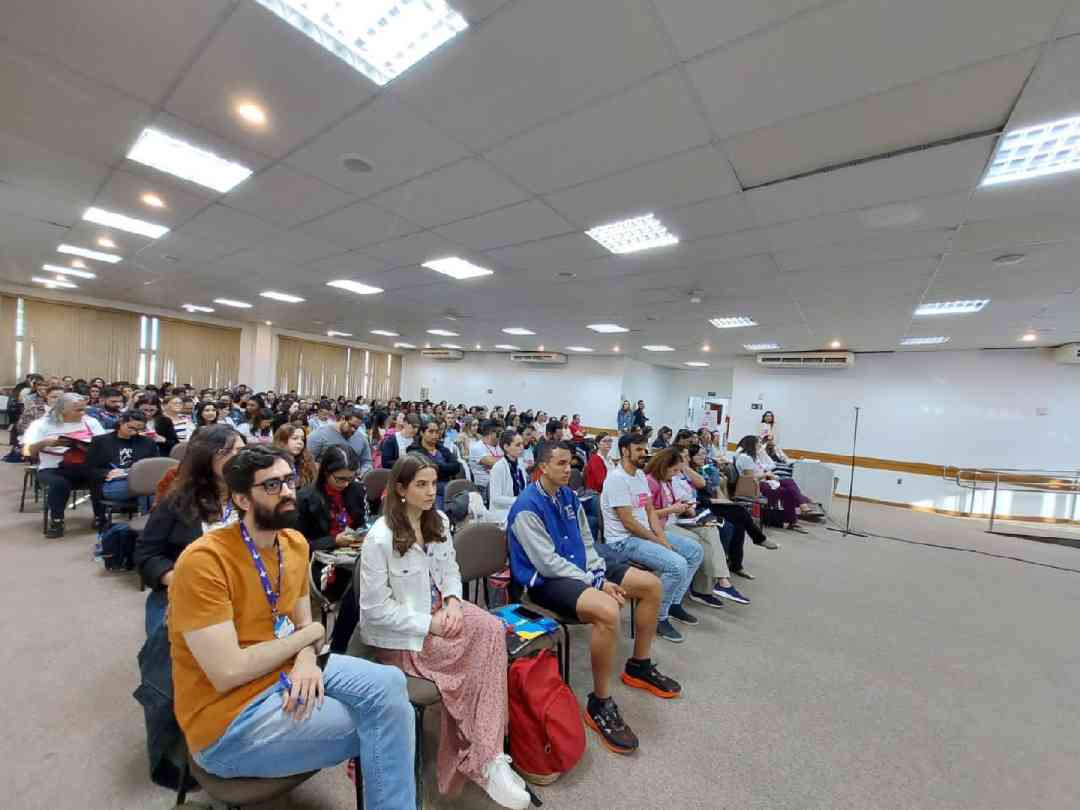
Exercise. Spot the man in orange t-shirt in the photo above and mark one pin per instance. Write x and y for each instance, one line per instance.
(249, 693)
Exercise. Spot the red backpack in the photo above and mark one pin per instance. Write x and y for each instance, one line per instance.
(547, 737)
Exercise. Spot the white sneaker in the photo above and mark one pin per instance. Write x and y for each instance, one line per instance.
(503, 785)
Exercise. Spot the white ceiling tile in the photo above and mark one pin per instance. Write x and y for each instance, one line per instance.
(886, 247)
(355, 266)
(532, 61)
(139, 48)
(904, 177)
(123, 190)
(853, 49)
(27, 164)
(288, 249)
(461, 190)
(729, 246)
(413, 250)
(557, 253)
(244, 63)
(901, 118)
(414, 276)
(1047, 271)
(647, 122)
(476, 10)
(1016, 234)
(1054, 196)
(1054, 87)
(712, 218)
(358, 225)
(688, 177)
(524, 222)
(128, 245)
(696, 27)
(398, 144)
(228, 229)
(286, 197)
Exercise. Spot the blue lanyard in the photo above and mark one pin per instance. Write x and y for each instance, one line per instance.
(264, 577)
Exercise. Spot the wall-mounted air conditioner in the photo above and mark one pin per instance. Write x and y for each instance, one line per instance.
(810, 360)
(1069, 353)
(441, 354)
(539, 358)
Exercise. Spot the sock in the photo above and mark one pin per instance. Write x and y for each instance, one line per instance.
(638, 663)
(595, 702)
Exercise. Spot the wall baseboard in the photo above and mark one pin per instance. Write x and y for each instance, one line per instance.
(934, 510)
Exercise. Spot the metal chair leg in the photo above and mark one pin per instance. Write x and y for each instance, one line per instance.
(25, 481)
(419, 759)
(181, 790)
(633, 618)
(359, 783)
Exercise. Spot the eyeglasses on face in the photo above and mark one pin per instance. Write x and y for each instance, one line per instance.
(272, 486)
(343, 478)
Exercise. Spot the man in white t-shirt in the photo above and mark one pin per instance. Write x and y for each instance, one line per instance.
(633, 532)
(483, 454)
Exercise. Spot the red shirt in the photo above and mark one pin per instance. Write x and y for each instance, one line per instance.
(595, 473)
(576, 430)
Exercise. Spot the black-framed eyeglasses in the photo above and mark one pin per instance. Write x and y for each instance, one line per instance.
(272, 486)
(343, 478)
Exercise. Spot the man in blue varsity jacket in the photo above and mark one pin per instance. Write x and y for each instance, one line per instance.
(552, 557)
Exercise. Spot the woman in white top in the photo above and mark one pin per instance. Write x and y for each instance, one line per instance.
(60, 440)
(411, 610)
(784, 493)
(508, 477)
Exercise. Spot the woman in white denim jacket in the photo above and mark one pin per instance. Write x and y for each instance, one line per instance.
(411, 610)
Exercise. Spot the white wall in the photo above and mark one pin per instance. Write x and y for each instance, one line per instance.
(667, 391)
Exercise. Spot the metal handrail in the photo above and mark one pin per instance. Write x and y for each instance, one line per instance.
(1015, 479)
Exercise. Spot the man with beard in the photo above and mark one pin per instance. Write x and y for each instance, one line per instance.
(250, 695)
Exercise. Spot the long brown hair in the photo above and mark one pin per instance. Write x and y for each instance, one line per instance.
(662, 462)
(431, 522)
(305, 464)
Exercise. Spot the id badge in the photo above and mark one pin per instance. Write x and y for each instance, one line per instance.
(283, 627)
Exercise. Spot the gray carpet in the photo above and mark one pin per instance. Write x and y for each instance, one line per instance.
(866, 674)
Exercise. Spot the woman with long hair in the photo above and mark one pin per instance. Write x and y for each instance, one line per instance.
(467, 437)
(206, 414)
(413, 614)
(375, 437)
(159, 427)
(293, 439)
(783, 494)
(173, 408)
(196, 502)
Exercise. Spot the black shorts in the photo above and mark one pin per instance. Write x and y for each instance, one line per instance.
(561, 595)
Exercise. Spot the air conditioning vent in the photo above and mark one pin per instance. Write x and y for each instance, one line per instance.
(539, 358)
(441, 354)
(1069, 353)
(811, 360)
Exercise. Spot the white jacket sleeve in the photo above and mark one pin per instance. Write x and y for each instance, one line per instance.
(501, 486)
(377, 604)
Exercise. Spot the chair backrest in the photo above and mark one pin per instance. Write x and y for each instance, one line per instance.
(375, 482)
(144, 475)
(459, 485)
(481, 550)
(179, 451)
(747, 487)
(577, 480)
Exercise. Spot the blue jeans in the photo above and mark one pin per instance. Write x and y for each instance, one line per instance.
(675, 567)
(157, 603)
(117, 490)
(366, 714)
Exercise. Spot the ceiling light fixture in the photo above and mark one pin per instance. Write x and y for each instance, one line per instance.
(52, 283)
(607, 328)
(106, 242)
(578, 349)
(696, 364)
(356, 164)
(631, 235)
(379, 38)
(506, 346)
(456, 267)
(1029, 337)
(658, 347)
(478, 346)
(252, 113)
(196, 308)
(952, 307)
(1009, 259)
(269, 323)
(705, 347)
(449, 345)
(385, 332)
(518, 330)
(615, 348)
(335, 333)
(228, 302)
(111, 219)
(1036, 151)
(354, 287)
(173, 156)
(761, 347)
(153, 200)
(836, 344)
(284, 297)
(59, 269)
(923, 341)
(86, 253)
(732, 322)
(78, 263)
(402, 345)
(442, 333)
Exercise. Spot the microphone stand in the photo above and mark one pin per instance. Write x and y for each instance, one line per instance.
(844, 532)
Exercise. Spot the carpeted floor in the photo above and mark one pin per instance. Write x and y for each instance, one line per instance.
(867, 674)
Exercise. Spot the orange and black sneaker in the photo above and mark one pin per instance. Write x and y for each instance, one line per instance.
(604, 717)
(643, 674)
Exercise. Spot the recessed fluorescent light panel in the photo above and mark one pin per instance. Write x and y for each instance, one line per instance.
(761, 347)
(506, 346)
(632, 235)
(66, 271)
(658, 348)
(952, 307)
(449, 345)
(1036, 151)
(923, 341)
(578, 349)
(384, 332)
(335, 333)
(607, 328)
(196, 308)
(402, 345)
(53, 282)
(113, 220)
(518, 330)
(379, 38)
(228, 302)
(86, 253)
(173, 156)
(696, 364)
(277, 296)
(732, 322)
(354, 287)
(442, 332)
(457, 268)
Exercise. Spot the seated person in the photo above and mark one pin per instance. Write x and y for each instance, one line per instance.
(258, 427)
(324, 415)
(663, 439)
(347, 431)
(577, 431)
(684, 438)
(632, 531)
(429, 444)
(508, 476)
(196, 502)
(293, 439)
(61, 441)
(37, 404)
(249, 694)
(112, 455)
(412, 612)
(397, 444)
(783, 494)
(108, 412)
(483, 453)
(553, 558)
(331, 513)
(674, 497)
(528, 442)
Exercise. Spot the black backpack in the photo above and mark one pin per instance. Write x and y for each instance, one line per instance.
(118, 547)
